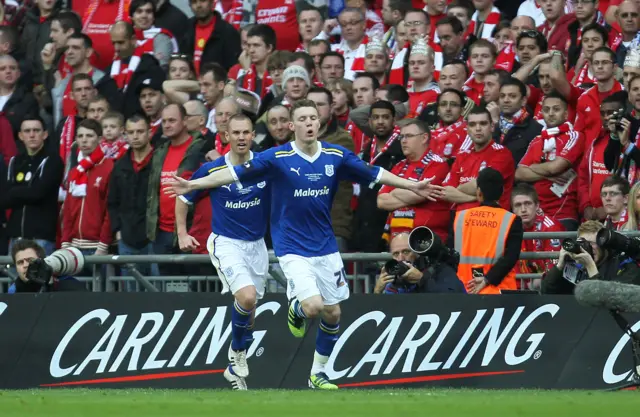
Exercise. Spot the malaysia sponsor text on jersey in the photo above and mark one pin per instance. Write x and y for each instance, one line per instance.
(495, 339)
(144, 343)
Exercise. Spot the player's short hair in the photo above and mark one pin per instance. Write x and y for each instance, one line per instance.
(241, 117)
(264, 32)
(483, 43)
(491, 184)
(330, 54)
(554, 94)
(80, 77)
(615, 180)
(458, 93)
(607, 51)
(396, 93)
(517, 83)
(300, 104)
(91, 125)
(525, 189)
(114, 115)
(454, 22)
(68, 20)
(321, 90)
(375, 83)
(384, 105)
(479, 110)
(217, 70)
(136, 117)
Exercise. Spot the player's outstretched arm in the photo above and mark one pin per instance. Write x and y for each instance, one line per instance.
(179, 186)
(423, 188)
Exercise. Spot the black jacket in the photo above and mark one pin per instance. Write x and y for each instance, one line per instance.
(21, 104)
(127, 201)
(171, 18)
(32, 196)
(443, 279)
(127, 102)
(223, 46)
(614, 149)
(59, 285)
(35, 36)
(519, 137)
(614, 268)
(368, 219)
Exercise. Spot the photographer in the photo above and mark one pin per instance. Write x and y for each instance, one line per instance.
(411, 279)
(592, 262)
(35, 272)
(622, 156)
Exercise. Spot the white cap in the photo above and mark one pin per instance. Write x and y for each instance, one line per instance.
(295, 71)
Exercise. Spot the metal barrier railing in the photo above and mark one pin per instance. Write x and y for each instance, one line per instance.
(106, 280)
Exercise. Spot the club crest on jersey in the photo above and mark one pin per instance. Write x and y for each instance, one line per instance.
(555, 243)
(261, 184)
(483, 165)
(447, 149)
(328, 169)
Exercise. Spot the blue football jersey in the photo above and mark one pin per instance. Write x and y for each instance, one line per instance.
(303, 188)
(240, 211)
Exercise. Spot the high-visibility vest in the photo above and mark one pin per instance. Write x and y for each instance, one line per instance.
(480, 236)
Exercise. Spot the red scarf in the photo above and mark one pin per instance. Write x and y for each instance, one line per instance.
(488, 25)
(121, 72)
(78, 176)
(583, 76)
(67, 137)
(506, 125)
(624, 218)
(373, 150)
(556, 131)
(221, 147)
(234, 14)
(506, 57)
(154, 127)
(445, 130)
(250, 81)
(115, 149)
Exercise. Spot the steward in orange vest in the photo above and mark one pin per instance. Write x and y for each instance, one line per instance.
(488, 239)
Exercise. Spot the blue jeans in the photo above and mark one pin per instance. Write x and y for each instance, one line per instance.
(163, 245)
(48, 246)
(144, 268)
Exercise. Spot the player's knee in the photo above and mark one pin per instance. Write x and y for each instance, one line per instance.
(246, 297)
(313, 306)
(331, 314)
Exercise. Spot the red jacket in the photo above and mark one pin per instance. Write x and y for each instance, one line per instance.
(558, 37)
(588, 120)
(85, 220)
(592, 172)
(7, 142)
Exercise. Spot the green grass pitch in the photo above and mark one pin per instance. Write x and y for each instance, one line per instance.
(409, 402)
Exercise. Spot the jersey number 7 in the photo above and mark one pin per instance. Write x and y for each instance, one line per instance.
(341, 278)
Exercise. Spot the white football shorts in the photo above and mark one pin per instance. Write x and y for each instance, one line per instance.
(239, 263)
(319, 275)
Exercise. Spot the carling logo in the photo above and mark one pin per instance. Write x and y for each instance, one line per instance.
(143, 345)
(609, 372)
(432, 331)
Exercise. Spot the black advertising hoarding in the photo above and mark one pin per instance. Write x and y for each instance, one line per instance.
(181, 341)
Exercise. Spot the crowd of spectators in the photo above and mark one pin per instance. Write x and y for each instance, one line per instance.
(102, 101)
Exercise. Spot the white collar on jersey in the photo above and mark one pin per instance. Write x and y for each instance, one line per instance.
(306, 157)
(227, 159)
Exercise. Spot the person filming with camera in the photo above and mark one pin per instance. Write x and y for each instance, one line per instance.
(40, 273)
(597, 254)
(412, 272)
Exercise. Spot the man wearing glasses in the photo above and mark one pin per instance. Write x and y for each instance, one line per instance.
(353, 45)
(628, 18)
(586, 12)
(615, 194)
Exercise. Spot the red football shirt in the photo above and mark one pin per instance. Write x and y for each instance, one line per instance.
(592, 173)
(97, 20)
(468, 164)
(445, 141)
(542, 223)
(418, 101)
(167, 211)
(569, 146)
(203, 32)
(434, 215)
(281, 16)
(473, 89)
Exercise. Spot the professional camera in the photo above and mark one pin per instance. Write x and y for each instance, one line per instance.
(429, 246)
(574, 246)
(68, 261)
(617, 117)
(616, 242)
(572, 271)
(397, 269)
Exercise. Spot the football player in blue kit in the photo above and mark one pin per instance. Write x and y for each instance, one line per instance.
(304, 176)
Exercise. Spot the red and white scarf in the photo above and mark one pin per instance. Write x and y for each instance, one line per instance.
(583, 76)
(624, 218)
(507, 124)
(357, 62)
(67, 137)
(78, 176)
(234, 14)
(487, 26)
(397, 73)
(250, 81)
(507, 57)
(121, 72)
(151, 33)
(301, 48)
(373, 151)
(221, 148)
(549, 136)
(115, 149)
(154, 127)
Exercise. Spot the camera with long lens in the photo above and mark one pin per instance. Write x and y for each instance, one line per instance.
(429, 246)
(397, 269)
(619, 243)
(67, 261)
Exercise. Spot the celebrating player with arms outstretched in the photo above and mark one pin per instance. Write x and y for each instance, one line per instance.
(236, 244)
(304, 176)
